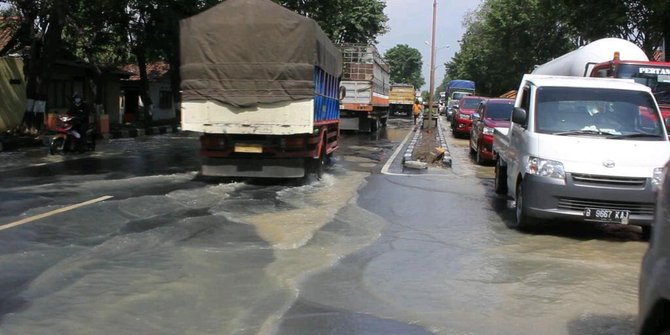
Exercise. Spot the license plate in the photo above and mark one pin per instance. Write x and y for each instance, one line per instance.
(607, 215)
(249, 148)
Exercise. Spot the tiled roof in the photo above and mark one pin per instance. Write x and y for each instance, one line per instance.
(155, 71)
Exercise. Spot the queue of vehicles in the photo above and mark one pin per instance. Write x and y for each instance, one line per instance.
(585, 138)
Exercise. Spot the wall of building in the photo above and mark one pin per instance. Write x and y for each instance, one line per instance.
(12, 92)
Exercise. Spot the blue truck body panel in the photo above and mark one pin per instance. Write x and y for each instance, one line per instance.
(326, 102)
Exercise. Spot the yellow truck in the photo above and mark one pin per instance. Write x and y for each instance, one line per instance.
(401, 98)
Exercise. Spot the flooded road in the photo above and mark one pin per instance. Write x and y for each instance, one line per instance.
(357, 252)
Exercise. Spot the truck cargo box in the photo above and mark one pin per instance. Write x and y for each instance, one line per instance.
(255, 67)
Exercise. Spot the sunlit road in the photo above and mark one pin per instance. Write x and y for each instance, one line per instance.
(358, 252)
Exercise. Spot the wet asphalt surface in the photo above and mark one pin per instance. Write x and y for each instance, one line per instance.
(358, 252)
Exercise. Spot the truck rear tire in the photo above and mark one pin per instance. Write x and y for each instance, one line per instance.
(500, 181)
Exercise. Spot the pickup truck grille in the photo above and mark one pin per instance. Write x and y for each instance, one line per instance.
(635, 208)
(579, 178)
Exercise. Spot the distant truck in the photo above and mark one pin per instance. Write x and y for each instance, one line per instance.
(456, 90)
(261, 83)
(582, 149)
(366, 79)
(401, 99)
(614, 58)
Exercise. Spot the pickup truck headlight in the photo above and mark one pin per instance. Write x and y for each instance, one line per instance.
(545, 168)
(488, 131)
(657, 177)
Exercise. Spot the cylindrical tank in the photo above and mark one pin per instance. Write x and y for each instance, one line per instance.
(575, 62)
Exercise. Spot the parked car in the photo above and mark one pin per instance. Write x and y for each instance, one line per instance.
(492, 113)
(654, 291)
(462, 119)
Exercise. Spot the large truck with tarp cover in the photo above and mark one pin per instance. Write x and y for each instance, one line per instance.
(401, 99)
(366, 79)
(614, 58)
(261, 83)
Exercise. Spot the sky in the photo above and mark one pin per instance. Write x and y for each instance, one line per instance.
(410, 22)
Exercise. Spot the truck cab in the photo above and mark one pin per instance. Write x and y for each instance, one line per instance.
(582, 149)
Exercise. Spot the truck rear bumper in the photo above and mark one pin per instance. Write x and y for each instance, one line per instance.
(254, 168)
(548, 198)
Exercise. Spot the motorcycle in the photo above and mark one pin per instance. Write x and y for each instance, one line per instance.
(68, 139)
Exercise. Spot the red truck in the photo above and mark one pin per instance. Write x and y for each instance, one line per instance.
(614, 58)
(655, 75)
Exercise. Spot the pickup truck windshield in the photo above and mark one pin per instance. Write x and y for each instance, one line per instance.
(610, 113)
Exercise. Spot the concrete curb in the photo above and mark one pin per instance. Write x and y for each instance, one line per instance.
(446, 159)
(407, 158)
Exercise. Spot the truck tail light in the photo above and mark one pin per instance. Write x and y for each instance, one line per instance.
(617, 56)
(295, 142)
(212, 142)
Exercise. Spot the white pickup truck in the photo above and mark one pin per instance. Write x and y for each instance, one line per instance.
(584, 149)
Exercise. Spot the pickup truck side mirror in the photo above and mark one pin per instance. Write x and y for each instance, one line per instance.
(476, 116)
(343, 92)
(520, 116)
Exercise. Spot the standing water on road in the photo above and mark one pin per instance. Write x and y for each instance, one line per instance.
(169, 255)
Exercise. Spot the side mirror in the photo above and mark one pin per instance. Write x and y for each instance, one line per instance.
(476, 116)
(343, 92)
(520, 116)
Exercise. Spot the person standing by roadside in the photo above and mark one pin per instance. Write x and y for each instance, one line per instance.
(417, 108)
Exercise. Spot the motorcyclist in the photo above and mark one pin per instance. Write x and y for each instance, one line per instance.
(80, 111)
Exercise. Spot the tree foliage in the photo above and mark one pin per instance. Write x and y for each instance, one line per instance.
(114, 32)
(504, 39)
(344, 21)
(405, 64)
(643, 22)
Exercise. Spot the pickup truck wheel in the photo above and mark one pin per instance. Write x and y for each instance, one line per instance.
(521, 219)
(500, 181)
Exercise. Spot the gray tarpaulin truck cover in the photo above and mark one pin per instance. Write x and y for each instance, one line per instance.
(249, 52)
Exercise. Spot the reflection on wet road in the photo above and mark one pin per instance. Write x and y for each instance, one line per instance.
(354, 253)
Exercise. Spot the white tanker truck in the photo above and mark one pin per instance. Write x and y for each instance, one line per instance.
(580, 62)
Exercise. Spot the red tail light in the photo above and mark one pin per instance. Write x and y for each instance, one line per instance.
(295, 142)
(212, 142)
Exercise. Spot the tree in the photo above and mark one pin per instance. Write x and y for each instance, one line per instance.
(344, 21)
(643, 22)
(405, 64)
(504, 39)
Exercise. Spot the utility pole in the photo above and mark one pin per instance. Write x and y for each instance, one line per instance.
(432, 69)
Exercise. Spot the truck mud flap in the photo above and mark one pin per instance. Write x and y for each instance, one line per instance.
(253, 168)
